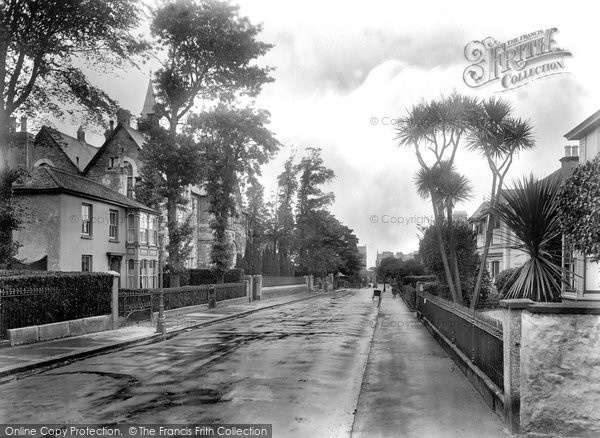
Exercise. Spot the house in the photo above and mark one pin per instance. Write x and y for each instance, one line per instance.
(584, 281)
(69, 165)
(79, 224)
(500, 255)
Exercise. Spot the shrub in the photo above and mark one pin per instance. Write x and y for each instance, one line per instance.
(184, 278)
(208, 276)
(505, 280)
(409, 294)
(34, 298)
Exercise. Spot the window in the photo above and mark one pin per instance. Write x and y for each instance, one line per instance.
(495, 268)
(130, 179)
(153, 278)
(144, 274)
(130, 274)
(131, 228)
(113, 225)
(86, 219)
(86, 263)
(143, 228)
(153, 230)
(570, 268)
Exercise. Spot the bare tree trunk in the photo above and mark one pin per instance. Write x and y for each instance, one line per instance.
(438, 226)
(173, 255)
(454, 259)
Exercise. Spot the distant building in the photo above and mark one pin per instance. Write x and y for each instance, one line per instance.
(398, 255)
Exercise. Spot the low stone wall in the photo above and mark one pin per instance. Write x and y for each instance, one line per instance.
(560, 370)
(57, 330)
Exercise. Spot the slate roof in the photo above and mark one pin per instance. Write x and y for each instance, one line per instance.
(580, 131)
(73, 148)
(50, 179)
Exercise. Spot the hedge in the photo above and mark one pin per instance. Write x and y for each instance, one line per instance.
(35, 298)
(196, 277)
(413, 279)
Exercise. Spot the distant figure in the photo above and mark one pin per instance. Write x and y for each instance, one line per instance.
(377, 294)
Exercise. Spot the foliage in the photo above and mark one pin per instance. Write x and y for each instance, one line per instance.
(208, 276)
(59, 296)
(578, 212)
(437, 128)
(504, 280)
(392, 267)
(10, 216)
(41, 42)
(531, 212)
(236, 142)
(284, 221)
(252, 262)
(466, 257)
(413, 279)
(498, 136)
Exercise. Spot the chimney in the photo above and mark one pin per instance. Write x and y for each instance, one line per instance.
(569, 161)
(123, 116)
(81, 134)
(23, 123)
(109, 130)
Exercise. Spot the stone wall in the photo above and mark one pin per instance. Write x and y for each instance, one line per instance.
(560, 373)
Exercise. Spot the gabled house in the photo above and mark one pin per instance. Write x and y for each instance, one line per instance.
(500, 256)
(584, 281)
(79, 224)
(115, 166)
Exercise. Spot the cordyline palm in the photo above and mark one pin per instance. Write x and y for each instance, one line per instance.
(446, 188)
(497, 136)
(531, 212)
(436, 128)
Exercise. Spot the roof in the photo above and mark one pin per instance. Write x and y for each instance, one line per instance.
(483, 210)
(135, 135)
(72, 147)
(50, 179)
(149, 101)
(580, 131)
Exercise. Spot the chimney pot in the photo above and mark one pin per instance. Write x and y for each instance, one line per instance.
(567, 150)
(575, 151)
(81, 134)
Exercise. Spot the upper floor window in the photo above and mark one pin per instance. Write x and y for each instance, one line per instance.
(143, 228)
(130, 179)
(152, 230)
(86, 219)
(113, 225)
(131, 228)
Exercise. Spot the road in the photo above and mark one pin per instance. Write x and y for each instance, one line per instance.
(298, 367)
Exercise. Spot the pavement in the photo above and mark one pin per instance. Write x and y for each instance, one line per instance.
(30, 357)
(411, 388)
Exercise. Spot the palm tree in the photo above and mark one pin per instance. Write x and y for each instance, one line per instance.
(446, 187)
(436, 128)
(531, 213)
(497, 136)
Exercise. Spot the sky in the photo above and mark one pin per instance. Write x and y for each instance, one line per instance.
(347, 70)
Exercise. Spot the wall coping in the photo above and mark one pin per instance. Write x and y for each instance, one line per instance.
(579, 308)
(516, 303)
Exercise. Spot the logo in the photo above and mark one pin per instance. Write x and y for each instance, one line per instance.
(516, 62)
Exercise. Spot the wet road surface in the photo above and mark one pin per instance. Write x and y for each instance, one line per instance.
(298, 367)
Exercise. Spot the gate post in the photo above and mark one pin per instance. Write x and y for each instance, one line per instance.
(115, 299)
(511, 343)
(248, 280)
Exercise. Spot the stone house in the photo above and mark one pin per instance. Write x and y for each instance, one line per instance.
(115, 166)
(584, 281)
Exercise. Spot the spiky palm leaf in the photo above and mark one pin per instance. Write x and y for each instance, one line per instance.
(531, 213)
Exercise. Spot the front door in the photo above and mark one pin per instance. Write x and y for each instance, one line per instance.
(115, 265)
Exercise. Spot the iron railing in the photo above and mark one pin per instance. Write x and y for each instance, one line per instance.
(477, 336)
(25, 307)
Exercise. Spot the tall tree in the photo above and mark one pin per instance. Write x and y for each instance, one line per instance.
(436, 129)
(312, 200)
(40, 42)
(236, 143)
(287, 186)
(498, 136)
(10, 217)
(257, 222)
(208, 51)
